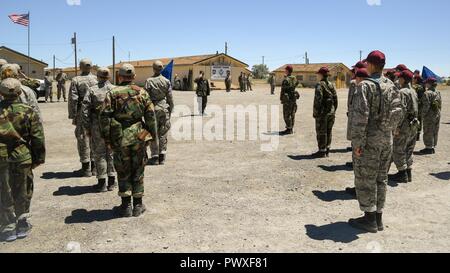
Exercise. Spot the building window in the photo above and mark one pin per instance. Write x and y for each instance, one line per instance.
(300, 78)
(313, 78)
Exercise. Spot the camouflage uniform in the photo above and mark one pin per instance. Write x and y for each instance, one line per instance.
(61, 78)
(351, 92)
(127, 110)
(160, 92)
(405, 140)
(241, 83)
(90, 109)
(203, 91)
(228, 82)
(325, 107)
(272, 82)
(22, 145)
(48, 88)
(420, 91)
(249, 83)
(431, 116)
(289, 99)
(377, 110)
(77, 92)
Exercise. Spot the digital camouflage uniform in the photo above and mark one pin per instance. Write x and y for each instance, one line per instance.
(377, 110)
(431, 117)
(405, 140)
(22, 145)
(289, 99)
(325, 107)
(90, 109)
(126, 112)
(77, 92)
(351, 92)
(160, 92)
(420, 91)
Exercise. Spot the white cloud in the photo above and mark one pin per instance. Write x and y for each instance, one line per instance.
(374, 2)
(73, 2)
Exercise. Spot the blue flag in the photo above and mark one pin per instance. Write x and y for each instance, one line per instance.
(427, 73)
(167, 71)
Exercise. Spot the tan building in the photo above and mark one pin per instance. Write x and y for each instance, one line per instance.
(306, 74)
(214, 66)
(36, 67)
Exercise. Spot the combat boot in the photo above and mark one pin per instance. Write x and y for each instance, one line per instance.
(367, 223)
(162, 159)
(327, 154)
(101, 186)
(111, 183)
(124, 210)
(93, 169)
(380, 221)
(154, 161)
(400, 177)
(8, 236)
(409, 173)
(85, 170)
(427, 151)
(351, 191)
(319, 154)
(23, 228)
(138, 207)
(286, 132)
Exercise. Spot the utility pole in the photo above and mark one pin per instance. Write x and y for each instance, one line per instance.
(129, 56)
(360, 55)
(74, 42)
(226, 48)
(54, 65)
(263, 59)
(306, 58)
(114, 58)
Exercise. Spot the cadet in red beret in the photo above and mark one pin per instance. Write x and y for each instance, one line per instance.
(361, 74)
(406, 133)
(325, 107)
(289, 97)
(401, 67)
(371, 140)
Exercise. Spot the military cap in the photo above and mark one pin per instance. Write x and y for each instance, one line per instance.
(158, 65)
(10, 88)
(289, 68)
(401, 67)
(2, 62)
(127, 70)
(418, 78)
(376, 57)
(103, 72)
(362, 73)
(417, 72)
(13, 70)
(324, 71)
(407, 75)
(86, 63)
(431, 80)
(360, 64)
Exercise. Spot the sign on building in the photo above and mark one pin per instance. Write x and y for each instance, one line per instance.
(219, 72)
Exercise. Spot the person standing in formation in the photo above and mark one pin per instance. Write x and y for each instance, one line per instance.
(431, 116)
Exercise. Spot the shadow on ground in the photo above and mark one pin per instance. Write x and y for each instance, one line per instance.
(74, 191)
(331, 196)
(442, 176)
(60, 175)
(301, 157)
(340, 151)
(340, 232)
(82, 216)
(336, 168)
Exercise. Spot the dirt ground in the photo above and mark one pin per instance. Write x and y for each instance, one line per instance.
(229, 196)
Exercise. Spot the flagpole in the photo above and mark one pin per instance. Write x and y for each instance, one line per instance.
(29, 23)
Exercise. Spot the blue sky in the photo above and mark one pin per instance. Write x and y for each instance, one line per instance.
(413, 32)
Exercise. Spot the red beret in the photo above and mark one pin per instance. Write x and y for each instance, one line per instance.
(362, 73)
(376, 57)
(431, 80)
(324, 71)
(407, 75)
(289, 68)
(401, 67)
(360, 65)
